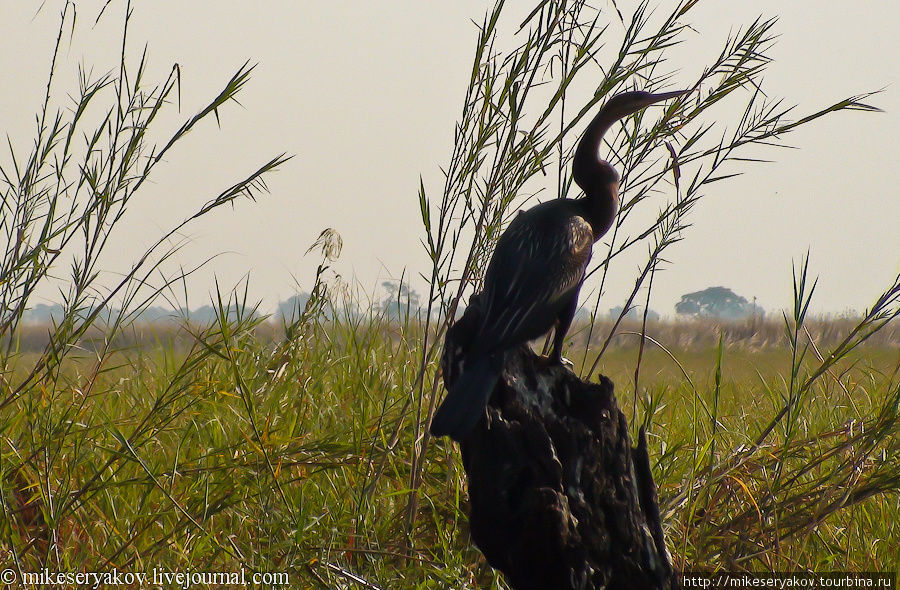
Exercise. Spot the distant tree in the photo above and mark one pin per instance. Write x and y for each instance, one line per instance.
(157, 314)
(43, 313)
(292, 308)
(717, 302)
(582, 315)
(399, 300)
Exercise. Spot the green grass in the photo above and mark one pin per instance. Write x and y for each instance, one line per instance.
(273, 455)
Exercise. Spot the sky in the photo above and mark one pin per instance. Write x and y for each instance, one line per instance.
(383, 83)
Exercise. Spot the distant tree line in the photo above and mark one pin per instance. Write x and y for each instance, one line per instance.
(400, 300)
(43, 313)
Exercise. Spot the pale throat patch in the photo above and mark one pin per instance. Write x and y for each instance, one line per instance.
(580, 235)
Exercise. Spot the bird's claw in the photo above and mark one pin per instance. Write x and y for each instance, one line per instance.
(549, 361)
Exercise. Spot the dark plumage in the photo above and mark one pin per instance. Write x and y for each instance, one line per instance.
(534, 276)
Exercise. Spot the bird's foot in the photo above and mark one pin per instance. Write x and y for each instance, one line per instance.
(555, 359)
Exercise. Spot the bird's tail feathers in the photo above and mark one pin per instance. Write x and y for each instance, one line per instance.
(465, 403)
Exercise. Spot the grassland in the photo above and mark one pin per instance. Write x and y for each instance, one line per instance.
(233, 447)
(302, 449)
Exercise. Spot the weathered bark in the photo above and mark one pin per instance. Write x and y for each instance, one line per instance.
(558, 497)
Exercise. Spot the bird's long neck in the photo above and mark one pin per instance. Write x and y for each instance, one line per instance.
(587, 163)
(596, 177)
(600, 205)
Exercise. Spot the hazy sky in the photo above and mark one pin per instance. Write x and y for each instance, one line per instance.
(382, 82)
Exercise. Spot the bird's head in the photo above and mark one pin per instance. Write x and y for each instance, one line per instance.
(628, 103)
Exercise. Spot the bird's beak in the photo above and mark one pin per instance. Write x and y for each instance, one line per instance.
(645, 99)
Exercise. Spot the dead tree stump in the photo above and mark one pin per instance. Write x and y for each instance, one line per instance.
(558, 497)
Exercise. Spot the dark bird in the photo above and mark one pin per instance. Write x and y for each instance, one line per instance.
(534, 276)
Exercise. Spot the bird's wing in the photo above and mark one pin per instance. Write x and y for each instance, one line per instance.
(533, 271)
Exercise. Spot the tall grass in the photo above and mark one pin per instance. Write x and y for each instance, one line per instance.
(811, 464)
(63, 199)
(303, 449)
